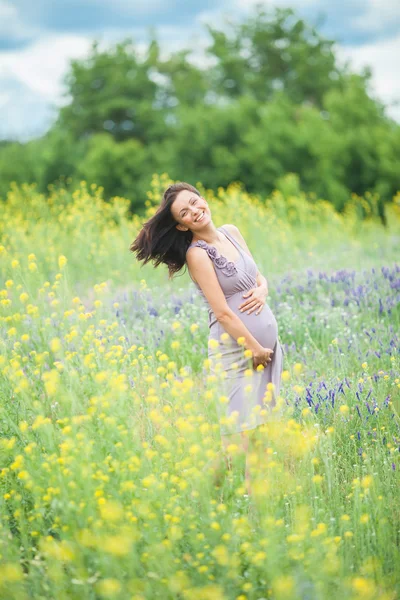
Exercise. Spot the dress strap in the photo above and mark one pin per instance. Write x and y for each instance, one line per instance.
(227, 267)
(231, 238)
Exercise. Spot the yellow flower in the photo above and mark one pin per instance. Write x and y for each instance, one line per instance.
(194, 327)
(108, 587)
(367, 481)
(55, 345)
(176, 325)
(344, 409)
(62, 261)
(365, 588)
(248, 353)
(364, 518)
(221, 555)
(11, 572)
(175, 345)
(241, 340)
(283, 587)
(213, 344)
(285, 376)
(317, 478)
(298, 368)
(364, 365)
(24, 297)
(111, 511)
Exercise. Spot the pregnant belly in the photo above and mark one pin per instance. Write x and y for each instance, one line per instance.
(262, 326)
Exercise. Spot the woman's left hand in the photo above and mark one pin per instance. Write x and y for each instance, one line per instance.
(256, 298)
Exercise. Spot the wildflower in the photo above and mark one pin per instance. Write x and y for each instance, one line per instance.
(62, 261)
(175, 345)
(241, 340)
(367, 481)
(344, 409)
(55, 345)
(283, 586)
(194, 327)
(221, 555)
(108, 587)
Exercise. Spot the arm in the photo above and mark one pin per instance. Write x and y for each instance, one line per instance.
(202, 270)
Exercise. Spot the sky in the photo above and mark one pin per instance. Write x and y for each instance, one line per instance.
(39, 39)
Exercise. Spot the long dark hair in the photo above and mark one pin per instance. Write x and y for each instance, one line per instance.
(159, 240)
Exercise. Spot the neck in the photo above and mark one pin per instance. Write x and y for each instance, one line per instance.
(209, 234)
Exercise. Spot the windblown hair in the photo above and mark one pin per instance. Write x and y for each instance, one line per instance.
(159, 240)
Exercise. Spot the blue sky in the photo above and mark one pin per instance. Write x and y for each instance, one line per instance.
(38, 39)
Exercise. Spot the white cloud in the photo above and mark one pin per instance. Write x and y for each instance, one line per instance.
(295, 4)
(378, 16)
(11, 26)
(42, 65)
(383, 59)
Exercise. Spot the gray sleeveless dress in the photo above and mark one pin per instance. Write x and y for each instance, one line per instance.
(248, 400)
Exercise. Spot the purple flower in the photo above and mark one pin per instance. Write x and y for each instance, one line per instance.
(212, 252)
(229, 269)
(220, 261)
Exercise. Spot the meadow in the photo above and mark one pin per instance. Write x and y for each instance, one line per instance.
(108, 408)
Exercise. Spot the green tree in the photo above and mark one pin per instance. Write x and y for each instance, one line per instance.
(273, 51)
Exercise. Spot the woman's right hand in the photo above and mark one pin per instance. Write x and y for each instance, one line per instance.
(262, 356)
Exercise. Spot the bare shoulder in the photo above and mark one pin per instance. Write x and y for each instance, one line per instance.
(234, 231)
(230, 227)
(196, 254)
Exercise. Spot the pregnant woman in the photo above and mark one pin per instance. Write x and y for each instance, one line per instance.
(220, 264)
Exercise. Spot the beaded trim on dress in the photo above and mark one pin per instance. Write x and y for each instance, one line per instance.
(227, 266)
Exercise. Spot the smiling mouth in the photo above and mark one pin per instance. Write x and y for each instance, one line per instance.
(200, 218)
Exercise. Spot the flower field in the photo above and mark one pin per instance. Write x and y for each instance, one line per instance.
(108, 408)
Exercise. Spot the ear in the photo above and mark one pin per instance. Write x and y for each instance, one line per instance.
(182, 227)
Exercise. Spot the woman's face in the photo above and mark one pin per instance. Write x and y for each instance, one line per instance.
(190, 211)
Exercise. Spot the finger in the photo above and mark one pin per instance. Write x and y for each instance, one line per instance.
(248, 293)
(253, 309)
(260, 309)
(252, 306)
(242, 306)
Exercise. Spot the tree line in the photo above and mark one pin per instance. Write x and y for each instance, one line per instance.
(272, 99)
